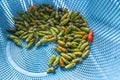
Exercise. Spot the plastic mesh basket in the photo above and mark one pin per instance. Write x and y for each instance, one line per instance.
(103, 63)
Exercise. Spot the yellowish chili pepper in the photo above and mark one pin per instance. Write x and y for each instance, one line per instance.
(51, 60)
(61, 63)
(71, 65)
(64, 16)
(66, 56)
(56, 61)
(76, 60)
(60, 42)
(49, 70)
(84, 37)
(62, 49)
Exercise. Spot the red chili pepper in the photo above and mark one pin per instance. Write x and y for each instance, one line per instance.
(91, 32)
(31, 7)
(90, 36)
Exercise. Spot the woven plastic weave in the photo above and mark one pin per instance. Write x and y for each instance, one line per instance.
(103, 62)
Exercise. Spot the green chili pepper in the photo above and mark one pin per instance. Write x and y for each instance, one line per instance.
(24, 37)
(77, 40)
(45, 32)
(32, 20)
(48, 36)
(47, 9)
(73, 50)
(41, 34)
(52, 39)
(43, 22)
(56, 61)
(74, 14)
(65, 60)
(72, 55)
(77, 24)
(77, 17)
(23, 34)
(71, 65)
(75, 28)
(77, 21)
(51, 60)
(85, 54)
(71, 44)
(32, 16)
(56, 22)
(87, 47)
(83, 41)
(21, 28)
(78, 36)
(17, 42)
(69, 39)
(17, 25)
(85, 29)
(55, 29)
(12, 37)
(61, 33)
(26, 24)
(36, 13)
(18, 33)
(19, 22)
(30, 43)
(74, 44)
(40, 42)
(36, 36)
(68, 30)
(52, 14)
(76, 60)
(51, 22)
(83, 19)
(83, 24)
(58, 27)
(44, 28)
(64, 22)
(17, 18)
(66, 56)
(53, 32)
(49, 70)
(57, 49)
(29, 38)
(20, 12)
(44, 16)
(68, 44)
(60, 38)
(70, 35)
(25, 18)
(83, 46)
(78, 53)
(70, 14)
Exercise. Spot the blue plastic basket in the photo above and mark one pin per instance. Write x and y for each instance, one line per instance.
(103, 62)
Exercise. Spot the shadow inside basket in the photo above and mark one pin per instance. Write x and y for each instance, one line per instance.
(31, 61)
